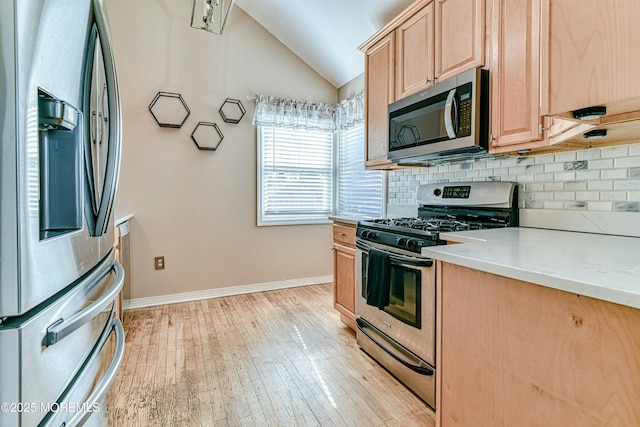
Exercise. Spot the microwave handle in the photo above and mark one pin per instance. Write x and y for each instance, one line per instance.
(448, 109)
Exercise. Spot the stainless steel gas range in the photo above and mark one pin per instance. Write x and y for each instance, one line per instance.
(395, 284)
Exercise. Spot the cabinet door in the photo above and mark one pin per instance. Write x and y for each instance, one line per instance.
(379, 93)
(594, 57)
(344, 283)
(414, 53)
(459, 40)
(516, 75)
(513, 353)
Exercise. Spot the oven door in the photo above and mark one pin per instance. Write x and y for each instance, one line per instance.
(401, 336)
(409, 319)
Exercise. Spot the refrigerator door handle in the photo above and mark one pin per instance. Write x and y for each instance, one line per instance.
(64, 327)
(115, 122)
(93, 401)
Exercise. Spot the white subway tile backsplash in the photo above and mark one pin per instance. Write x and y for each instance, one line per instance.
(629, 184)
(553, 205)
(543, 195)
(626, 206)
(613, 196)
(613, 152)
(493, 163)
(553, 186)
(591, 154)
(508, 162)
(533, 204)
(564, 176)
(602, 179)
(526, 161)
(517, 170)
(566, 156)
(587, 175)
(554, 167)
(627, 162)
(616, 173)
(564, 195)
(601, 164)
(544, 177)
(599, 206)
(575, 185)
(544, 158)
(587, 195)
(534, 186)
(575, 205)
(601, 185)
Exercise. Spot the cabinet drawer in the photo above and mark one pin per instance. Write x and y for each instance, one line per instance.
(344, 234)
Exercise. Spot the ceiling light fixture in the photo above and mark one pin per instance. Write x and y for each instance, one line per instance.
(211, 15)
(590, 113)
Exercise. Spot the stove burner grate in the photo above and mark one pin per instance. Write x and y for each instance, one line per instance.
(431, 224)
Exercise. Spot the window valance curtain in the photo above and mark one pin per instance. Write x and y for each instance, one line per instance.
(292, 114)
(350, 112)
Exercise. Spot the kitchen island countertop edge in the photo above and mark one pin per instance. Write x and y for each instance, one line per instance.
(604, 267)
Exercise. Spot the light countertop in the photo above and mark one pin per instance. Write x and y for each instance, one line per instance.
(121, 219)
(353, 220)
(600, 266)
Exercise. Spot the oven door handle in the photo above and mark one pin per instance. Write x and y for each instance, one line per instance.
(400, 259)
(401, 355)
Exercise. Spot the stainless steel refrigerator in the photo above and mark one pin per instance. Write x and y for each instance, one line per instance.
(60, 344)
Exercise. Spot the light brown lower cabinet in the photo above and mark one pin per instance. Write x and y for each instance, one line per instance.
(512, 353)
(344, 273)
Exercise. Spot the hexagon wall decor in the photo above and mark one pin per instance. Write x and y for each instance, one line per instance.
(207, 136)
(232, 111)
(169, 110)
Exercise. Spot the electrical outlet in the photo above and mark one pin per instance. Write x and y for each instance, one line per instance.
(159, 262)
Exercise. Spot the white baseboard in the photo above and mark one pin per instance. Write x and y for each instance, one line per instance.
(224, 292)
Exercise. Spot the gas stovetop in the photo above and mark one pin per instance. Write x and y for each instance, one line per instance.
(430, 225)
(446, 208)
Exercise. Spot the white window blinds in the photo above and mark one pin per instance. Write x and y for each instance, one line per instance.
(360, 192)
(295, 175)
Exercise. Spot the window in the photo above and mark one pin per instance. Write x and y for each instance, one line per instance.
(359, 191)
(295, 175)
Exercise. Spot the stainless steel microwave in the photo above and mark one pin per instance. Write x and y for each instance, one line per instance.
(448, 121)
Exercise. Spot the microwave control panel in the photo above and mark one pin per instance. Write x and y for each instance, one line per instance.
(466, 102)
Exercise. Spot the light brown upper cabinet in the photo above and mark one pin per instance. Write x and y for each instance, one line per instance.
(459, 39)
(429, 40)
(441, 40)
(379, 93)
(519, 85)
(594, 55)
(517, 76)
(414, 53)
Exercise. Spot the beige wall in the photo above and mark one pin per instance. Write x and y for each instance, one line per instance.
(198, 208)
(353, 87)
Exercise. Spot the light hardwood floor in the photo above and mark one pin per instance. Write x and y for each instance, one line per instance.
(278, 358)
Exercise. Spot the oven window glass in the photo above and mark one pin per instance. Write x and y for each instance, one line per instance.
(404, 292)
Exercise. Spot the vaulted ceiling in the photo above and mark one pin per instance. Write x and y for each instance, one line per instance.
(325, 33)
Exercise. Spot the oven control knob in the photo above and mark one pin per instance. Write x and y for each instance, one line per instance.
(368, 234)
(437, 192)
(411, 244)
(402, 241)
